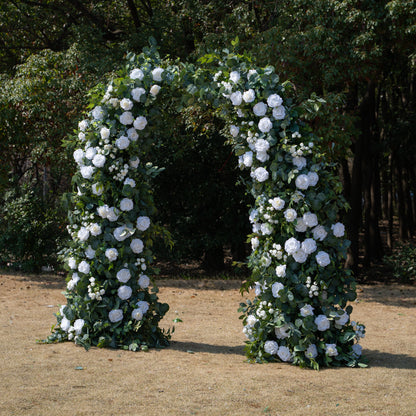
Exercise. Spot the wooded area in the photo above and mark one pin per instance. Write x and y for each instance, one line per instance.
(359, 56)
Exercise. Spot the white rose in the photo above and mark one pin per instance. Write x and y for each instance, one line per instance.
(140, 123)
(302, 182)
(234, 76)
(72, 263)
(299, 162)
(154, 90)
(249, 96)
(95, 229)
(282, 332)
(124, 292)
(112, 214)
(137, 74)
(87, 172)
(123, 275)
(116, 315)
(313, 178)
(103, 211)
(262, 145)
(284, 354)
(236, 98)
(300, 256)
(79, 156)
(311, 351)
(84, 267)
(338, 229)
(111, 254)
(136, 245)
(121, 233)
(130, 182)
(83, 125)
(323, 259)
(266, 229)
(247, 159)
(277, 203)
(136, 93)
(98, 113)
(260, 174)
(290, 215)
(251, 72)
(134, 163)
(276, 288)
(342, 319)
(126, 118)
(255, 243)
(90, 252)
(90, 152)
(319, 233)
(143, 223)
(144, 281)
(311, 220)
(126, 104)
(357, 349)
(322, 322)
(83, 234)
(260, 109)
(262, 156)
(281, 270)
(78, 325)
(306, 310)
(65, 324)
(122, 142)
(126, 204)
(279, 113)
(234, 130)
(300, 227)
(271, 347)
(98, 160)
(274, 100)
(157, 74)
(105, 133)
(331, 350)
(309, 245)
(292, 245)
(137, 314)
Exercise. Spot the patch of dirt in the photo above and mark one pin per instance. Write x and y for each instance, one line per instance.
(204, 372)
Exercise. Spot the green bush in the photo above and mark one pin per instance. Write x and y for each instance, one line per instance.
(30, 231)
(403, 262)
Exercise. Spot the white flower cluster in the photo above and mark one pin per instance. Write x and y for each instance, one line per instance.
(94, 290)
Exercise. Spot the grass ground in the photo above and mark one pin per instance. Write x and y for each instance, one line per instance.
(204, 372)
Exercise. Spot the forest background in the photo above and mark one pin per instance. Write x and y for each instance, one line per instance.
(357, 56)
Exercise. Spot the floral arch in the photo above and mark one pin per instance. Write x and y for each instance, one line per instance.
(299, 313)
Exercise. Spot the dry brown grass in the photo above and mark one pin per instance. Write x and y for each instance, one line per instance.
(204, 372)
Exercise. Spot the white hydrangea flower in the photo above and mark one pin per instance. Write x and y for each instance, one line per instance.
(260, 109)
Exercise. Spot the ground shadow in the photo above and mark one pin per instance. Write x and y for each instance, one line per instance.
(383, 359)
(195, 347)
(390, 294)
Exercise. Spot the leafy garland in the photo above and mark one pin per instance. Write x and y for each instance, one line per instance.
(299, 313)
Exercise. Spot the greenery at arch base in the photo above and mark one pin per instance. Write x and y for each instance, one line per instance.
(300, 312)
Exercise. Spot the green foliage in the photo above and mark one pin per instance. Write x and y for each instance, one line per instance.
(403, 262)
